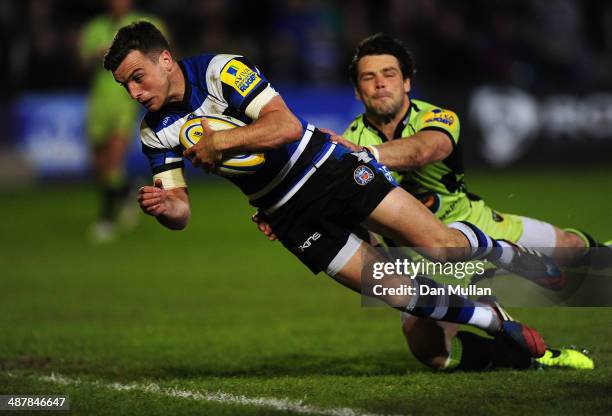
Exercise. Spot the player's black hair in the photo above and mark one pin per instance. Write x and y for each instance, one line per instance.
(140, 36)
(382, 44)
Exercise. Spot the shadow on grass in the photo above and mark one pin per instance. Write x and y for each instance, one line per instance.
(295, 365)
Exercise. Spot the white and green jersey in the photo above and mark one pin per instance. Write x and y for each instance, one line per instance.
(438, 185)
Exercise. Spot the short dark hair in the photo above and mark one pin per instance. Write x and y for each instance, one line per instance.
(140, 36)
(382, 44)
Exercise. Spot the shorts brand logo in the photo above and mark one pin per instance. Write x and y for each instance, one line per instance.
(309, 241)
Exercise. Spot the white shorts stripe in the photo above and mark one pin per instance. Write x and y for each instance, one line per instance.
(344, 255)
(301, 182)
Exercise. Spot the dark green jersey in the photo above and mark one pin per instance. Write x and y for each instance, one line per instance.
(440, 184)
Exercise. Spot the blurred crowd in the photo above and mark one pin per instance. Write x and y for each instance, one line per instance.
(523, 42)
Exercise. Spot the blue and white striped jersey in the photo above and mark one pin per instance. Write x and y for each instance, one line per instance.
(230, 85)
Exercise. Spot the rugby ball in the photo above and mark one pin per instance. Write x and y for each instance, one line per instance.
(245, 164)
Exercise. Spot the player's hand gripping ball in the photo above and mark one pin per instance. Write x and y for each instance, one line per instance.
(244, 164)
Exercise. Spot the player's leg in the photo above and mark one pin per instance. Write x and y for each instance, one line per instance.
(426, 300)
(403, 219)
(563, 245)
(112, 183)
(568, 247)
(431, 341)
(316, 226)
(110, 129)
(406, 221)
(442, 346)
(551, 240)
(347, 268)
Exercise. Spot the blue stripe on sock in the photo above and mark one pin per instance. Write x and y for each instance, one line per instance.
(465, 314)
(483, 240)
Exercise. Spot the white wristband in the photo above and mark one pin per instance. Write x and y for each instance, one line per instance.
(171, 178)
(374, 151)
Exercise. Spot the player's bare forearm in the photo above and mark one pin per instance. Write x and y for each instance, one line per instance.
(275, 127)
(415, 151)
(169, 206)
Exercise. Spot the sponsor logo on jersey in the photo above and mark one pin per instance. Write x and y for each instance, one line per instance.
(440, 116)
(232, 70)
(240, 77)
(363, 175)
(309, 241)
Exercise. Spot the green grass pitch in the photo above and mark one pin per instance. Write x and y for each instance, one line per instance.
(221, 316)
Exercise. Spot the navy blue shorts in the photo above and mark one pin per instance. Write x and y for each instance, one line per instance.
(321, 224)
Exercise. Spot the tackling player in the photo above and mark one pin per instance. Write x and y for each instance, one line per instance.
(420, 143)
(314, 191)
(111, 120)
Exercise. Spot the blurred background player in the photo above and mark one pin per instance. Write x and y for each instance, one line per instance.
(420, 143)
(111, 118)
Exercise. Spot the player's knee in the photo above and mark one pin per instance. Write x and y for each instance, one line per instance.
(447, 246)
(426, 341)
(433, 360)
(446, 238)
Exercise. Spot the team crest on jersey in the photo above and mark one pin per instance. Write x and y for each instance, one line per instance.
(440, 116)
(240, 77)
(363, 175)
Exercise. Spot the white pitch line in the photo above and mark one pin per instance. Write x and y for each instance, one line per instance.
(284, 405)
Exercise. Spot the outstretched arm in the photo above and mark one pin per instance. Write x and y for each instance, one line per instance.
(416, 151)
